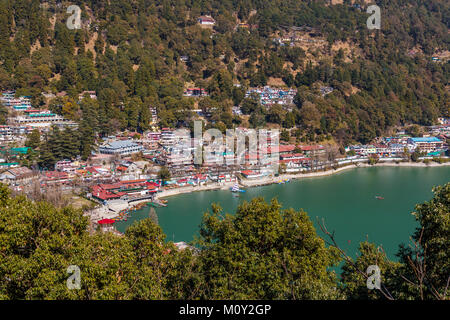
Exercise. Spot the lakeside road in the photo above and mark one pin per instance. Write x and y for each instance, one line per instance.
(189, 189)
(271, 180)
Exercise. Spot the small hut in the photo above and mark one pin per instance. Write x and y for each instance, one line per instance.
(106, 225)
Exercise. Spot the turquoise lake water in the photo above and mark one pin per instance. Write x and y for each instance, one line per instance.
(346, 201)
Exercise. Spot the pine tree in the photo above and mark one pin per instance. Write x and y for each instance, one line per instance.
(33, 139)
(153, 215)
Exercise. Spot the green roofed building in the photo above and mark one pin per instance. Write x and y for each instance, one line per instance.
(9, 164)
(23, 150)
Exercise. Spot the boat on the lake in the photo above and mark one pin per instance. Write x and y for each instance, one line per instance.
(379, 198)
(236, 188)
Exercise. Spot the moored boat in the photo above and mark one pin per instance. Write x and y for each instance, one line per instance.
(236, 188)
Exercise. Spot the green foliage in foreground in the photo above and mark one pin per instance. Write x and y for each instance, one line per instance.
(261, 252)
(264, 252)
(424, 268)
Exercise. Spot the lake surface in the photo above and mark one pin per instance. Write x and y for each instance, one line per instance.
(346, 201)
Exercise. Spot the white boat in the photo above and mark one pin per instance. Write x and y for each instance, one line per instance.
(236, 188)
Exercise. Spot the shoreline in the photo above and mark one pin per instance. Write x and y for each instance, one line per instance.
(293, 176)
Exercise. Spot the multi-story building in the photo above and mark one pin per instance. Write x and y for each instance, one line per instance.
(42, 119)
(9, 100)
(154, 114)
(6, 133)
(118, 147)
(18, 176)
(167, 137)
(426, 144)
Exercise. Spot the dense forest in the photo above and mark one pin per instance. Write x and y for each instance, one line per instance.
(260, 252)
(129, 53)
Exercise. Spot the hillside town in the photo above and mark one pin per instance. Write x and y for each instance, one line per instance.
(223, 150)
(127, 168)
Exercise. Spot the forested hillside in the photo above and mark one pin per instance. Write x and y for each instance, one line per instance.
(129, 53)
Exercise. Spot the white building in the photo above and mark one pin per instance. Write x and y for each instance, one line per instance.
(206, 20)
(167, 137)
(42, 119)
(125, 147)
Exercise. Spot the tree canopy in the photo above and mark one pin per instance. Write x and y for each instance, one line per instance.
(260, 252)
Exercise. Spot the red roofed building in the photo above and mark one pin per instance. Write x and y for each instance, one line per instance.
(250, 174)
(122, 168)
(291, 156)
(206, 20)
(103, 194)
(92, 171)
(124, 189)
(106, 225)
(317, 149)
(281, 149)
(53, 177)
(200, 177)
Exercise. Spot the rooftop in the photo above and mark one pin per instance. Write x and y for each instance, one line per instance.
(118, 144)
(426, 139)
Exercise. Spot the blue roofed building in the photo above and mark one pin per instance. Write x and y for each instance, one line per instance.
(426, 144)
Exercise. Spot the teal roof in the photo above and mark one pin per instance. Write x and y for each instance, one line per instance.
(427, 139)
(42, 115)
(23, 150)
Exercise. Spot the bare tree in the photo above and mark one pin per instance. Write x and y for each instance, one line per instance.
(418, 265)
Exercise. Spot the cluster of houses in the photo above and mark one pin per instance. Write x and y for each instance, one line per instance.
(397, 146)
(269, 95)
(114, 172)
(10, 133)
(71, 172)
(26, 118)
(8, 99)
(326, 90)
(307, 35)
(50, 95)
(176, 150)
(195, 92)
(41, 119)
